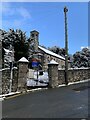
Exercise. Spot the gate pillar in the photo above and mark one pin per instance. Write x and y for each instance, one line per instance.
(53, 74)
(22, 74)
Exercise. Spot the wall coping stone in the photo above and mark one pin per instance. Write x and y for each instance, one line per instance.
(23, 59)
(83, 68)
(8, 68)
(53, 62)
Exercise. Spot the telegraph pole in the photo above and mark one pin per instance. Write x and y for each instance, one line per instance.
(66, 46)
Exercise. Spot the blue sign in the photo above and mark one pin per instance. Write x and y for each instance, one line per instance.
(35, 64)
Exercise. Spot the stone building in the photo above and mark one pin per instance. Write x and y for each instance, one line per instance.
(41, 54)
(49, 55)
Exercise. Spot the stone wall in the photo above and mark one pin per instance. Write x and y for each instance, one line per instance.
(74, 75)
(61, 76)
(6, 80)
(0, 66)
(0, 81)
(19, 78)
(57, 76)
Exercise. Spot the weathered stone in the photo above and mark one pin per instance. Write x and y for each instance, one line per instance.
(6, 80)
(57, 77)
(53, 75)
(22, 76)
(74, 75)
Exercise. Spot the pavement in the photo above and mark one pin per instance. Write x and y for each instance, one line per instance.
(64, 102)
(15, 94)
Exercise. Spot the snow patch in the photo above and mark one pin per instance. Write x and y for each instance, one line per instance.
(7, 51)
(71, 83)
(51, 53)
(53, 62)
(23, 59)
(1, 99)
(42, 80)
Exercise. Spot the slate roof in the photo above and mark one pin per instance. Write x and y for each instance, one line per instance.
(51, 53)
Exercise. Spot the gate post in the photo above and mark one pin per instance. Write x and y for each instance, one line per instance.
(53, 74)
(22, 74)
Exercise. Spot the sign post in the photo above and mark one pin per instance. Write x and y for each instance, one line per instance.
(11, 76)
(35, 64)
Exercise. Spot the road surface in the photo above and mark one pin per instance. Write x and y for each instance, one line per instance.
(64, 102)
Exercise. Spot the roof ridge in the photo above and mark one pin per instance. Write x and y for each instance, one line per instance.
(50, 52)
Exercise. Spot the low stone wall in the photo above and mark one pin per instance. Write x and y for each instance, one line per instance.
(57, 76)
(19, 78)
(0, 82)
(6, 80)
(73, 75)
(61, 76)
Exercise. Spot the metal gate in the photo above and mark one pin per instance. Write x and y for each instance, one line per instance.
(37, 78)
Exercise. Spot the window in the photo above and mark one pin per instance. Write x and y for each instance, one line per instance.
(32, 35)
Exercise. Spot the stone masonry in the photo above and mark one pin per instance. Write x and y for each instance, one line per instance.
(57, 76)
(22, 74)
(74, 75)
(53, 74)
(6, 80)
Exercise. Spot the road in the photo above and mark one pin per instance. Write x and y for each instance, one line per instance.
(64, 102)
